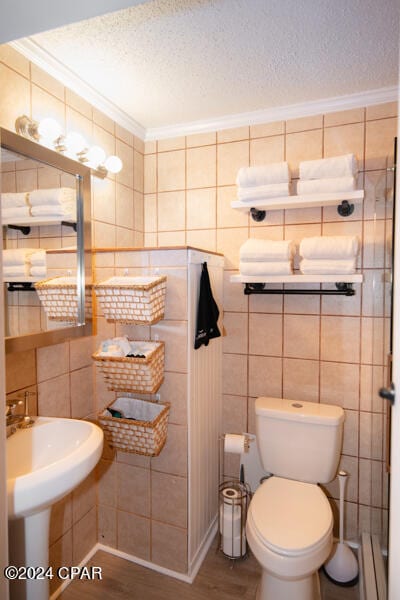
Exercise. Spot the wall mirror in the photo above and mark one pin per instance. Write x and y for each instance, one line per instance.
(45, 215)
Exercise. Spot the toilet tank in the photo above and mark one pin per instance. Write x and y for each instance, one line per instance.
(299, 440)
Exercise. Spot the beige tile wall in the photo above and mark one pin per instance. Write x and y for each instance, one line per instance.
(63, 376)
(328, 349)
(117, 201)
(142, 501)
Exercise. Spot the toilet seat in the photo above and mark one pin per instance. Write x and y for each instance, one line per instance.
(290, 518)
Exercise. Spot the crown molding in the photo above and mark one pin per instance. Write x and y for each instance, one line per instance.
(40, 57)
(35, 53)
(281, 113)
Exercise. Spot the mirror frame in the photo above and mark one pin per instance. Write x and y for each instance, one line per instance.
(17, 143)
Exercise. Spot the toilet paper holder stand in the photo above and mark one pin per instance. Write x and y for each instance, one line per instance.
(233, 503)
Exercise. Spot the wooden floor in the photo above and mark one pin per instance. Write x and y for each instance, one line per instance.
(216, 580)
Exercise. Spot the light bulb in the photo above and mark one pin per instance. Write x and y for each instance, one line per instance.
(113, 164)
(95, 156)
(49, 129)
(74, 142)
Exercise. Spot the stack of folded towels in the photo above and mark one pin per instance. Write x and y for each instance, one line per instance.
(54, 202)
(14, 205)
(259, 183)
(266, 257)
(336, 174)
(50, 202)
(24, 262)
(329, 255)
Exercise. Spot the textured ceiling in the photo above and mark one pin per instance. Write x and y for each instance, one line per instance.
(176, 61)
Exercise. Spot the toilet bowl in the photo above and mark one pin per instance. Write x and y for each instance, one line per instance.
(289, 530)
(290, 521)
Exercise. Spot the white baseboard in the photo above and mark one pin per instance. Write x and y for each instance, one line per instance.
(200, 555)
(66, 582)
(194, 567)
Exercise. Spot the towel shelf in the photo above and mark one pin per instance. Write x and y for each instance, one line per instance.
(342, 289)
(343, 283)
(258, 208)
(22, 285)
(24, 225)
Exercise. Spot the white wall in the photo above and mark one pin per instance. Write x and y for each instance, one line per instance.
(19, 18)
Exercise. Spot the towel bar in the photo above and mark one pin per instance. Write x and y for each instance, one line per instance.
(342, 289)
(20, 286)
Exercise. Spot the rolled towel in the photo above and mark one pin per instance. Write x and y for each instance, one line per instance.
(18, 212)
(17, 256)
(337, 166)
(328, 267)
(333, 184)
(39, 271)
(263, 175)
(254, 250)
(38, 258)
(15, 271)
(53, 196)
(123, 343)
(13, 199)
(329, 247)
(263, 191)
(263, 269)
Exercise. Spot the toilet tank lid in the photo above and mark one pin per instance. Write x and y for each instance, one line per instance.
(297, 410)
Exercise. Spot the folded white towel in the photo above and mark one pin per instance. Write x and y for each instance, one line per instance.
(13, 199)
(39, 271)
(261, 269)
(17, 212)
(15, 271)
(263, 175)
(38, 258)
(333, 184)
(263, 191)
(328, 267)
(254, 250)
(337, 166)
(47, 210)
(53, 196)
(329, 247)
(17, 256)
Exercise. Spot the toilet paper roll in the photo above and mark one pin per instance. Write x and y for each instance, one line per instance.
(234, 443)
(231, 494)
(234, 547)
(230, 520)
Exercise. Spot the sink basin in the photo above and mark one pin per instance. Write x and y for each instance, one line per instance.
(47, 461)
(44, 463)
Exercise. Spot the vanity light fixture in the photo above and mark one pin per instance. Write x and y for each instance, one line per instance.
(73, 145)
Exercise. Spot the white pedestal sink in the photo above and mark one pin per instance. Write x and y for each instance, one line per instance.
(44, 463)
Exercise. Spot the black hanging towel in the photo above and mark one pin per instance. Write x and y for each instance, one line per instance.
(207, 312)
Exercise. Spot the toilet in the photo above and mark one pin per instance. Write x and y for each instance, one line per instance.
(290, 521)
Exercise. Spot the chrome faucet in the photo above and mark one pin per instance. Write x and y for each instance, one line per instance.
(18, 421)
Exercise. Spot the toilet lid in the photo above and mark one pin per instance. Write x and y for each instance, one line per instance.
(290, 516)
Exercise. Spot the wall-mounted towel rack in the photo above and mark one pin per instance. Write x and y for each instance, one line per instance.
(343, 283)
(20, 286)
(24, 225)
(342, 289)
(340, 199)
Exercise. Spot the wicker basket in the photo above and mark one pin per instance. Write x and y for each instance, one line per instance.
(135, 300)
(142, 431)
(140, 375)
(59, 298)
